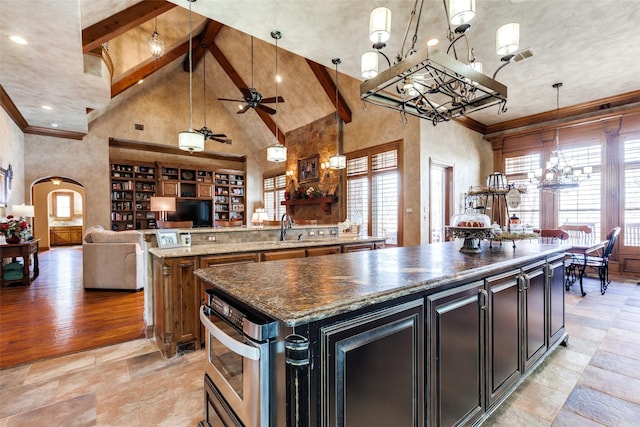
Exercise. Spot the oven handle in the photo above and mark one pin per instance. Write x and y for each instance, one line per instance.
(233, 345)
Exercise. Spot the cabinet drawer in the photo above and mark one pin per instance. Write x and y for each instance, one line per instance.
(323, 250)
(276, 255)
(359, 247)
(209, 261)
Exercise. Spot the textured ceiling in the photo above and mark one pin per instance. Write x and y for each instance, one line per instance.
(592, 46)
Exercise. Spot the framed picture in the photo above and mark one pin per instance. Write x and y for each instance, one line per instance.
(3, 188)
(332, 190)
(168, 238)
(308, 169)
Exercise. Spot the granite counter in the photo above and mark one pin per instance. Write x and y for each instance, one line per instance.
(300, 291)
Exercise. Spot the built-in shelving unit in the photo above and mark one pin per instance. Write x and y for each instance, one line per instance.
(132, 186)
(229, 195)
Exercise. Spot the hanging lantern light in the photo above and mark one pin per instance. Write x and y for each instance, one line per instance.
(461, 11)
(507, 38)
(337, 161)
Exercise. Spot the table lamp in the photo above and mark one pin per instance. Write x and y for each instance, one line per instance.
(258, 217)
(162, 205)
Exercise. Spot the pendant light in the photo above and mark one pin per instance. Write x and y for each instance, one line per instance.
(337, 161)
(190, 140)
(156, 44)
(277, 152)
(461, 11)
(507, 38)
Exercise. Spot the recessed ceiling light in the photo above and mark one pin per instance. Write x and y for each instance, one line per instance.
(46, 107)
(18, 39)
(54, 125)
(279, 78)
(140, 81)
(432, 42)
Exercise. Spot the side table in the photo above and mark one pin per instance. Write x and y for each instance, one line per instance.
(25, 251)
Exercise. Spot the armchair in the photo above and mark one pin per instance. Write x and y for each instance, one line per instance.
(113, 260)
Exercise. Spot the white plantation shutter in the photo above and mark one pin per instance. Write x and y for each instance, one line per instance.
(631, 235)
(273, 189)
(583, 204)
(516, 171)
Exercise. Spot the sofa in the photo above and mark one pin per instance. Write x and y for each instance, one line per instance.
(113, 259)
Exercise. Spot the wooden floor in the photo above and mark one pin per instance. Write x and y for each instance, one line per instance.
(56, 316)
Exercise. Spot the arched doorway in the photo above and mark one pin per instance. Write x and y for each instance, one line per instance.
(53, 195)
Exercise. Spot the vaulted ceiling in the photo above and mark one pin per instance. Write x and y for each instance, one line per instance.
(591, 46)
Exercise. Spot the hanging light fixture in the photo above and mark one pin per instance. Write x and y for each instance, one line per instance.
(507, 38)
(190, 140)
(156, 44)
(277, 152)
(337, 161)
(441, 85)
(558, 174)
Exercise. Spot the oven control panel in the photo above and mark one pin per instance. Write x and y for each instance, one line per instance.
(226, 311)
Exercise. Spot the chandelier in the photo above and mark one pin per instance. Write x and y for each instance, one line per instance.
(156, 44)
(428, 83)
(558, 174)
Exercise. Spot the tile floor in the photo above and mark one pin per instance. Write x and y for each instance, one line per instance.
(595, 381)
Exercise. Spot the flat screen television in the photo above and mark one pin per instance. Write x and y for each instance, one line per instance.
(198, 211)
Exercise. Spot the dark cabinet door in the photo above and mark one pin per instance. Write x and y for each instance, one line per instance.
(186, 321)
(555, 277)
(456, 355)
(534, 300)
(504, 334)
(374, 369)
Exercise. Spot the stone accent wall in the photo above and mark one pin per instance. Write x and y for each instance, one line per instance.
(318, 138)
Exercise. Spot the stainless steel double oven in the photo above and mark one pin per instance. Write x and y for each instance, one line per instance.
(241, 365)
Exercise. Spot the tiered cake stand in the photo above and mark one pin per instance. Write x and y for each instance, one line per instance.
(471, 236)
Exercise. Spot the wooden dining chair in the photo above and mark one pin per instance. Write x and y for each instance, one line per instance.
(553, 235)
(297, 221)
(175, 224)
(270, 222)
(577, 231)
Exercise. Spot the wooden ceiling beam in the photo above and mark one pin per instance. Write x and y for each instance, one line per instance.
(201, 42)
(169, 149)
(329, 87)
(132, 78)
(97, 34)
(237, 80)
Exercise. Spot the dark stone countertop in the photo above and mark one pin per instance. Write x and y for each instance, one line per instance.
(303, 290)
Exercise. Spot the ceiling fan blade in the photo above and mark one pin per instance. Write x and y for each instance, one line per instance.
(246, 92)
(244, 109)
(224, 141)
(272, 100)
(219, 135)
(267, 109)
(229, 99)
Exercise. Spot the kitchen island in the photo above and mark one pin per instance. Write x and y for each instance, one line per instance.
(403, 336)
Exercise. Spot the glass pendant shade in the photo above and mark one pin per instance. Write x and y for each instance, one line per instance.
(461, 11)
(338, 161)
(380, 25)
(277, 153)
(369, 65)
(508, 38)
(190, 141)
(156, 44)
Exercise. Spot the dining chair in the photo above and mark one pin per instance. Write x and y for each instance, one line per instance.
(577, 231)
(553, 235)
(175, 224)
(598, 260)
(305, 221)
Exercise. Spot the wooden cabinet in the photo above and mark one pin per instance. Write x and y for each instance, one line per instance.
(323, 250)
(205, 191)
(358, 247)
(534, 301)
(132, 186)
(285, 254)
(374, 359)
(169, 188)
(504, 335)
(176, 319)
(456, 377)
(65, 235)
(555, 278)
(229, 195)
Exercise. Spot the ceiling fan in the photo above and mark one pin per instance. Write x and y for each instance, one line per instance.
(204, 130)
(252, 97)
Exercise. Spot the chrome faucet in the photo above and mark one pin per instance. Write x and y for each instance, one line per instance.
(286, 219)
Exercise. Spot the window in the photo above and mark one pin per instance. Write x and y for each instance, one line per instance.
(631, 211)
(273, 189)
(582, 205)
(516, 170)
(62, 205)
(373, 188)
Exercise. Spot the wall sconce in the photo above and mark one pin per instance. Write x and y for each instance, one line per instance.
(325, 167)
(56, 181)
